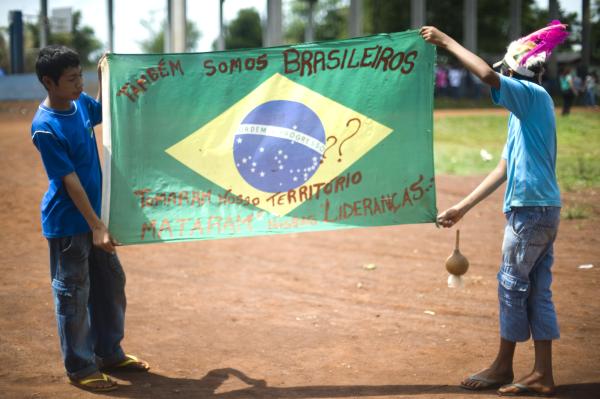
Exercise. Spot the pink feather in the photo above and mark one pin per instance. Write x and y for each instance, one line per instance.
(546, 39)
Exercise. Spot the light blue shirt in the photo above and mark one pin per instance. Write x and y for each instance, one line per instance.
(530, 150)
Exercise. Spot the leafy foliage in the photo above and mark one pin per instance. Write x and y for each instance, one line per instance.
(330, 20)
(493, 20)
(81, 38)
(156, 42)
(245, 31)
(4, 61)
(595, 31)
(387, 16)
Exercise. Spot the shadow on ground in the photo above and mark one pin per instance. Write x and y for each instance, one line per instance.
(150, 385)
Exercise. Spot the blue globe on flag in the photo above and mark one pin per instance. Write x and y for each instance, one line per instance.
(278, 146)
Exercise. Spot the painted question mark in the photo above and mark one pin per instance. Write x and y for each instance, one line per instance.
(349, 137)
(326, 149)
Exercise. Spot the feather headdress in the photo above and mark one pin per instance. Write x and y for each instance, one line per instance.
(534, 49)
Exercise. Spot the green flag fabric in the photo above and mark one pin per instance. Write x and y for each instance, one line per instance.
(310, 137)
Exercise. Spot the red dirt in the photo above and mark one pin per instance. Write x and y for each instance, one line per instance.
(297, 313)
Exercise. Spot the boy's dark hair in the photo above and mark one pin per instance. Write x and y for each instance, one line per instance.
(53, 60)
(536, 69)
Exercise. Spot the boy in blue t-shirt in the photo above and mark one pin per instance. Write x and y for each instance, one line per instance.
(88, 282)
(531, 205)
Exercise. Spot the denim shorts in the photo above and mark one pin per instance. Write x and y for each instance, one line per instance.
(525, 276)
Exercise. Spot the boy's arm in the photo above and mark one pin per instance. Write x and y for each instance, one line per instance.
(99, 69)
(101, 236)
(451, 216)
(471, 61)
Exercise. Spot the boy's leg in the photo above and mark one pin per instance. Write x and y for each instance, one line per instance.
(540, 309)
(544, 329)
(500, 372)
(107, 305)
(70, 287)
(528, 238)
(540, 380)
(542, 314)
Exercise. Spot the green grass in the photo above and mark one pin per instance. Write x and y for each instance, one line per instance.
(451, 103)
(459, 139)
(442, 102)
(576, 211)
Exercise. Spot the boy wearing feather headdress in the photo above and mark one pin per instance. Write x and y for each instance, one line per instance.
(531, 206)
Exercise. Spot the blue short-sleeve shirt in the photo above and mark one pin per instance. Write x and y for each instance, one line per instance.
(67, 143)
(530, 150)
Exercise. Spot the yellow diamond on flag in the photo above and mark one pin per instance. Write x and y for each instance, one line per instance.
(278, 138)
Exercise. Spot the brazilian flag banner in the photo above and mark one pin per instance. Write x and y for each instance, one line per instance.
(311, 137)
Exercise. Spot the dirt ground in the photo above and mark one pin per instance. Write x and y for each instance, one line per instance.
(294, 316)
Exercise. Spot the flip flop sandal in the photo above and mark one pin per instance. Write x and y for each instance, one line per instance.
(130, 363)
(523, 390)
(90, 384)
(483, 383)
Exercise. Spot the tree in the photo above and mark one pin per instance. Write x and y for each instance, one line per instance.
(245, 31)
(4, 60)
(536, 18)
(493, 20)
(595, 32)
(333, 25)
(156, 42)
(330, 18)
(81, 38)
(387, 16)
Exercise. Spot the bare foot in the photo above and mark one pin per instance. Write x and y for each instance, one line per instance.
(535, 383)
(490, 378)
